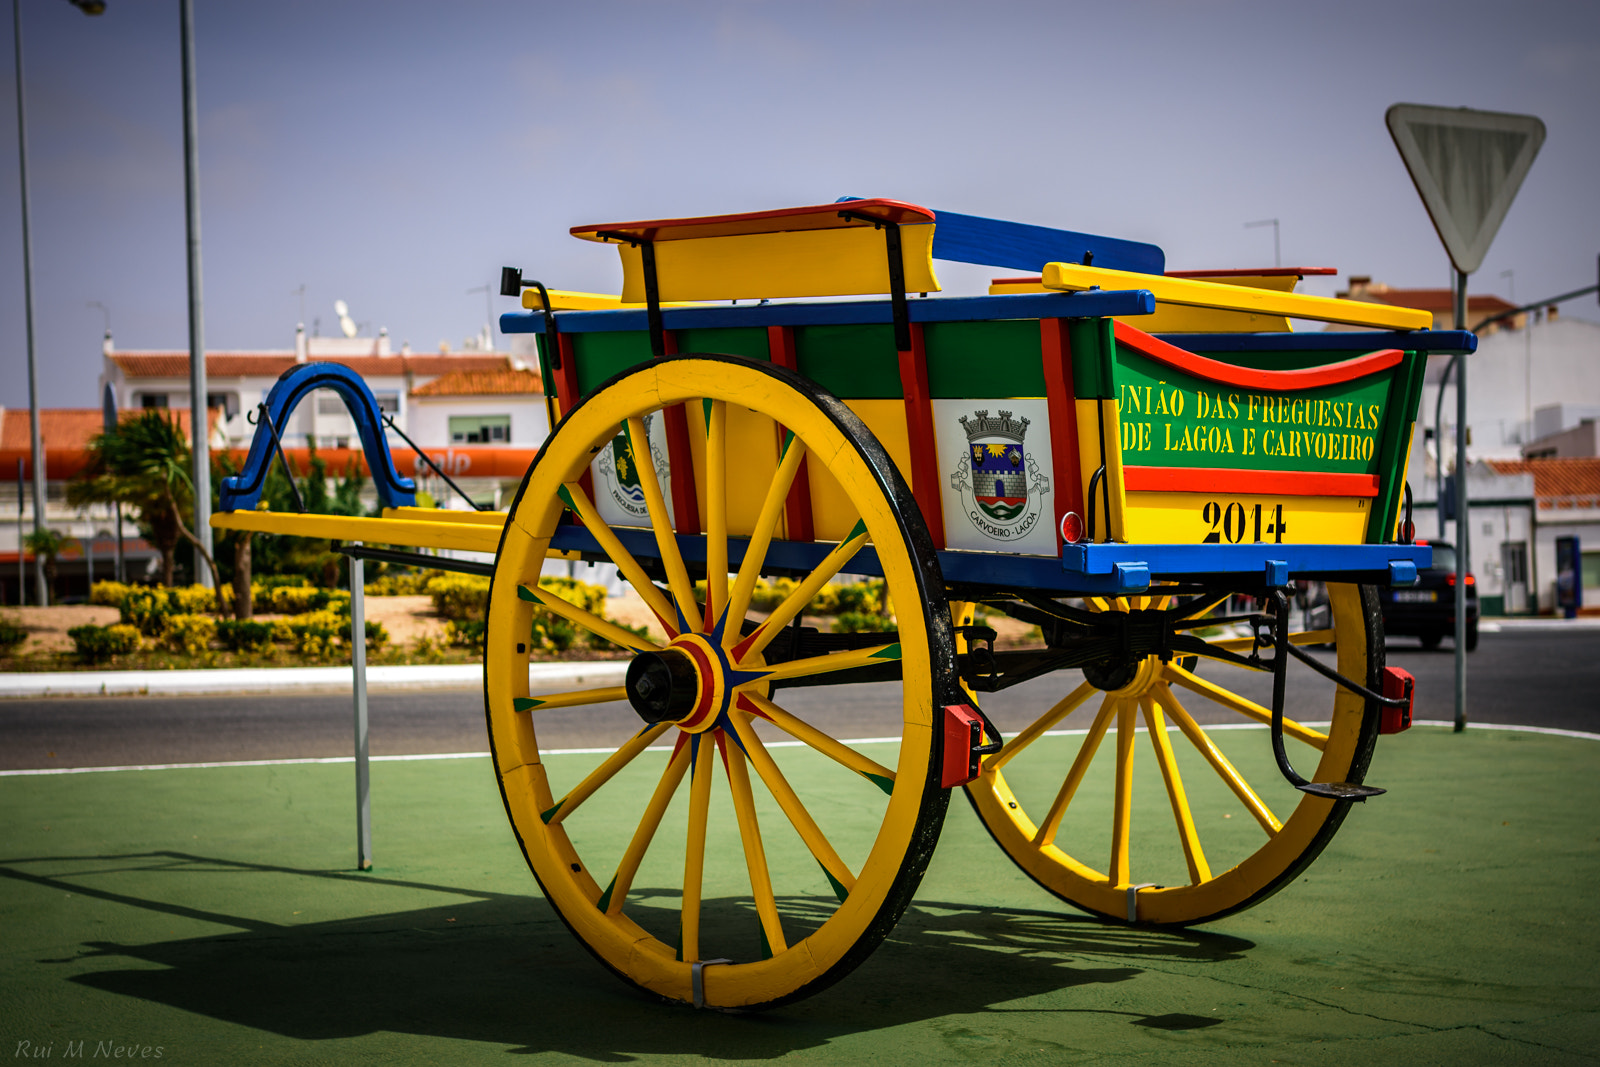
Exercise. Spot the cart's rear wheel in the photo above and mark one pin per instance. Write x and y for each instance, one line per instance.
(1241, 832)
(785, 876)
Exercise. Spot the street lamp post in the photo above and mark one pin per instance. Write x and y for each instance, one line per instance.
(199, 402)
(35, 440)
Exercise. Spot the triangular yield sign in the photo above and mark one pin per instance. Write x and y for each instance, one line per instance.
(1468, 166)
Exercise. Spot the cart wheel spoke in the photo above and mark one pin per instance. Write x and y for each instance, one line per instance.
(1193, 854)
(1233, 701)
(575, 699)
(836, 750)
(585, 620)
(716, 413)
(795, 602)
(755, 553)
(833, 661)
(694, 857)
(838, 874)
(755, 853)
(1035, 730)
(1080, 766)
(616, 893)
(603, 773)
(578, 502)
(661, 523)
(1122, 796)
(1219, 762)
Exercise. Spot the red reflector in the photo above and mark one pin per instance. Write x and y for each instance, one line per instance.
(1397, 683)
(963, 732)
(1071, 528)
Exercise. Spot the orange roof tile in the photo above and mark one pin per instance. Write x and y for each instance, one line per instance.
(1554, 478)
(69, 429)
(502, 382)
(272, 364)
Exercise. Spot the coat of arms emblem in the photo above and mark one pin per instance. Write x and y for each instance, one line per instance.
(1000, 483)
(620, 469)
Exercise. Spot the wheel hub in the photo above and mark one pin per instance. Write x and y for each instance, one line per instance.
(682, 683)
(1125, 678)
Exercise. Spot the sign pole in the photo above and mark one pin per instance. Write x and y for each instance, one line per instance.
(1463, 526)
(358, 668)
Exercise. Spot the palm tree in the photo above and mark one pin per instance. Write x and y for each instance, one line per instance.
(144, 462)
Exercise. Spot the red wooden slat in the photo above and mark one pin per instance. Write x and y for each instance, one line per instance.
(1268, 483)
(1066, 466)
(919, 428)
(1268, 381)
(797, 508)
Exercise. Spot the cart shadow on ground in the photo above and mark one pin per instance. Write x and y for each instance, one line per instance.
(502, 969)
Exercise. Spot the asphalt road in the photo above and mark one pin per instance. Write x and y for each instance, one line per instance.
(1540, 678)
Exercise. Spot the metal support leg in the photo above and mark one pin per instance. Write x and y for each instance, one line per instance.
(358, 665)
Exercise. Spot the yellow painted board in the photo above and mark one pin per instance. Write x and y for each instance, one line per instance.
(752, 457)
(1072, 276)
(1244, 518)
(1090, 449)
(470, 518)
(850, 261)
(831, 514)
(572, 300)
(1176, 318)
(463, 536)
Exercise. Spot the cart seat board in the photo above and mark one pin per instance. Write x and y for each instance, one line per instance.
(818, 250)
(1185, 291)
(1019, 246)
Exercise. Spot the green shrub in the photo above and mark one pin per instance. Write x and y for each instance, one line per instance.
(146, 608)
(316, 633)
(857, 622)
(459, 597)
(192, 600)
(109, 594)
(598, 642)
(468, 633)
(768, 595)
(376, 634)
(95, 644)
(292, 599)
(415, 584)
(12, 633)
(189, 633)
(246, 635)
(591, 598)
(552, 633)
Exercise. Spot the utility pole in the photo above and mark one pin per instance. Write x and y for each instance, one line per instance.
(199, 406)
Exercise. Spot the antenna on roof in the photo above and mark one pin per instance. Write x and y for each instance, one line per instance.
(347, 325)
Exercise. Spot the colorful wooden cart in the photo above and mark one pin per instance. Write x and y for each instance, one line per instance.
(1031, 452)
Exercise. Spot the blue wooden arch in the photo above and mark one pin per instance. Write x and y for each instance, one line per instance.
(242, 491)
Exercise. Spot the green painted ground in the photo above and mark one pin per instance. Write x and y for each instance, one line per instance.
(208, 913)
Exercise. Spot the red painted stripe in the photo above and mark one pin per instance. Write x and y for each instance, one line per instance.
(1255, 272)
(1268, 381)
(566, 375)
(919, 428)
(1065, 465)
(797, 508)
(680, 457)
(1268, 483)
(810, 217)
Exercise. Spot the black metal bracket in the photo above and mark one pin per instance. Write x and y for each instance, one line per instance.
(652, 288)
(388, 420)
(512, 284)
(288, 471)
(416, 559)
(899, 306)
(1280, 668)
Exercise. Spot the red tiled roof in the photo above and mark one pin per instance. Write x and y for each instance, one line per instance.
(272, 364)
(1554, 478)
(1438, 301)
(502, 382)
(66, 431)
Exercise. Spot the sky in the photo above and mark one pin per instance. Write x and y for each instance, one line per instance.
(396, 154)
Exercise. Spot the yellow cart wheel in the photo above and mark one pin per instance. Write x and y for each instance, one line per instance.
(722, 850)
(1062, 795)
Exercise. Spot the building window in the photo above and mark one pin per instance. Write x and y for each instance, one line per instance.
(152, 400)
(480, 429)
(228, 402)
(330, 403)
(388, 403)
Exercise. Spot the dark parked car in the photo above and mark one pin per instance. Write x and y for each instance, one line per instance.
(1427, 610)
